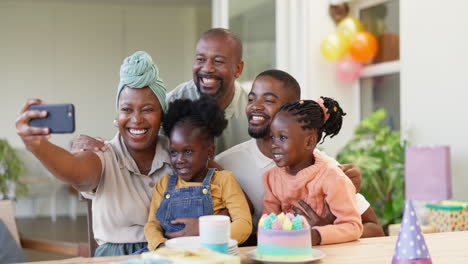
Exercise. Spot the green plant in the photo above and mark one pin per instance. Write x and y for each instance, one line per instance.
(380, 153)
(11, 167)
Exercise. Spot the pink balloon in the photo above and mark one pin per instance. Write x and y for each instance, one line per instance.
(348, 69)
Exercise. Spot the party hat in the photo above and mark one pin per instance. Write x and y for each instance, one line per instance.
(411, 247)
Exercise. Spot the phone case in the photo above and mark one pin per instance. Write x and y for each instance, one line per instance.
(60, 118)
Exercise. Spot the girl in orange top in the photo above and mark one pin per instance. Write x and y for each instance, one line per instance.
(301, 175)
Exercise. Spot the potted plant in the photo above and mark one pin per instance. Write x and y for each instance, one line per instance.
(11, 167)
(380, 153)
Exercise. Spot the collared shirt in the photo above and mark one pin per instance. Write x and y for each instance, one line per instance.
(236, 131)
(249, 164)
(122, 198)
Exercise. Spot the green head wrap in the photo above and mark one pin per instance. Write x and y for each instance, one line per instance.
(138, 71)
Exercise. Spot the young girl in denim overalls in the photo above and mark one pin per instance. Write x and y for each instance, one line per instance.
(194, 190)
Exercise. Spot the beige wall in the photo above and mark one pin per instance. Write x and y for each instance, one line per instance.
(321, 77)
(67, 51)
(434, 79)
(70, 51)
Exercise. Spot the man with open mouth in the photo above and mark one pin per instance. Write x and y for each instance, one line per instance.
(218, 63)
(249, 160)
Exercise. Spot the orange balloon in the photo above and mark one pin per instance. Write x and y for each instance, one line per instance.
(363, 46)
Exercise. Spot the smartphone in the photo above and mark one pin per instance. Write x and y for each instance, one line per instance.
(60, 118)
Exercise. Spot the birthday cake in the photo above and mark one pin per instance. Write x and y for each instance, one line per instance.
(284, 237)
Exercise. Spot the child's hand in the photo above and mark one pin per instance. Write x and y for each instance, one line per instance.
(314, 220)
(191, 227)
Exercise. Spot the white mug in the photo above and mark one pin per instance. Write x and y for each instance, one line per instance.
(215, 231)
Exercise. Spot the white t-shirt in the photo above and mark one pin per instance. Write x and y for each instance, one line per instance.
(248, 165)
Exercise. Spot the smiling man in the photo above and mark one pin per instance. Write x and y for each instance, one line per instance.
(249, 160)
(218, 63)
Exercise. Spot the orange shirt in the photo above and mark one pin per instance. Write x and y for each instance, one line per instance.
(323, 181)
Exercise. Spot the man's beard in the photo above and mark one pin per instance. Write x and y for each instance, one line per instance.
(259, 133)
(214, 96)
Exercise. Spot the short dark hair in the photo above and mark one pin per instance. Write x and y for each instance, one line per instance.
(288, 81)
(311, 113)
(226, 33)
(204, 113)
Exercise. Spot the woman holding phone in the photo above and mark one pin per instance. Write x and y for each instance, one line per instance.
(120, 181)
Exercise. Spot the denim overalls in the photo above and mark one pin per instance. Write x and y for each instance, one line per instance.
(193, 201)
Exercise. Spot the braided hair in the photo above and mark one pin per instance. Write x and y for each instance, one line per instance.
(203, 113)
(311, 114)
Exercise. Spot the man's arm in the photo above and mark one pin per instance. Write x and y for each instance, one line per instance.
(372, 227)
(84, 143)
(354, 174)
(370, 222)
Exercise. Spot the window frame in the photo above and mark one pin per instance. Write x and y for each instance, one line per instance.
(371, 70)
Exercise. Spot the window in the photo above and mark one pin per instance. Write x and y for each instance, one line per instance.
(382, 20)
(379, 86)
(382, 92)
(254, 22)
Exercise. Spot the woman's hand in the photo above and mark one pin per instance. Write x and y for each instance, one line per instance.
(191, 227)
(314, 220)
(32, 137)
(82, 171)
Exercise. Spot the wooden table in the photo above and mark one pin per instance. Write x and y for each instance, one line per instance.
(444, 248)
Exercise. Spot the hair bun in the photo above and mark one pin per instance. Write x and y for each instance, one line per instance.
(138, 70)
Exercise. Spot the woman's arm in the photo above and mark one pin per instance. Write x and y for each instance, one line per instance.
(82, 170)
